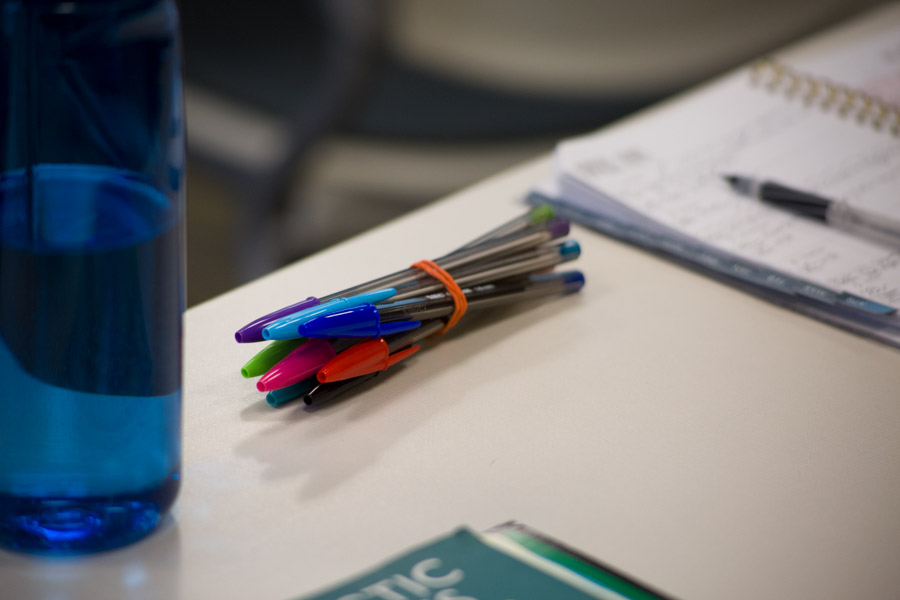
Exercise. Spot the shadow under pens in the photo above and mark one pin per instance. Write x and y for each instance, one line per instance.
(310, 443)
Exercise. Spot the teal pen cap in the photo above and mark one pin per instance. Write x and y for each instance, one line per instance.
(287, 328)
(291, 392)
(569, 250)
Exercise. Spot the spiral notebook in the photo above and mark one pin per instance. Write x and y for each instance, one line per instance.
(822, 116)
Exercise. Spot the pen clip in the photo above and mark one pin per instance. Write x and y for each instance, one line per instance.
(381, 329)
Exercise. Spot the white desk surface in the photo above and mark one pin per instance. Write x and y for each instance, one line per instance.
(706, 442)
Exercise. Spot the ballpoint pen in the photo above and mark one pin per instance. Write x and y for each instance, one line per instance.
(301, 363)
(252, 331)
(378, 355)
(357, 322)
(375, 355)
(269, 356)
(502, 269)
(837, 213)
(320, 348)
(355, 360)
(416, 284)
(536, 215)
(291, 392)
(514, 240)
(287, 327)
(323, 392)
(554, 251)
(532, 260)
(361, 362)
(364, 318)
(529, 237)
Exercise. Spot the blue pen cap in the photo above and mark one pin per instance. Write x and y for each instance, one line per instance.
(358, 321)
(288, 328)
(573, 281)
(382, 329)
(565, 281)
(361, 317)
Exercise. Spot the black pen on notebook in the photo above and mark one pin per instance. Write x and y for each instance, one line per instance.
(836, 213)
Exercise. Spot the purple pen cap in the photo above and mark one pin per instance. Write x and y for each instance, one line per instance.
(252, 332)
(557, 227)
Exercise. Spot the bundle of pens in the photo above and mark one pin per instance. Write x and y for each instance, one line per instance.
(321, 347)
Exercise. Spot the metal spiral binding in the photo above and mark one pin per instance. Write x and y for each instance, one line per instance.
(846, 102)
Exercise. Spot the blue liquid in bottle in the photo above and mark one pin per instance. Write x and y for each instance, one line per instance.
(91, 273)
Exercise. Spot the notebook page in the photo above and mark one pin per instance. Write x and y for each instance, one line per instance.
(667, 166)
(868, 179)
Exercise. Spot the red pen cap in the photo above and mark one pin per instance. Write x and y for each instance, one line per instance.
(362, 359)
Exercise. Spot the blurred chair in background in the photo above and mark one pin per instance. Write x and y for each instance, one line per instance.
(264, 81)
(329, 117)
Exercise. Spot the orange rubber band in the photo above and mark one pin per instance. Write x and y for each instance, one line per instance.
(459, 298)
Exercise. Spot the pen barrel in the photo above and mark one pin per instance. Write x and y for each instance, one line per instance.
(528, 237)
(875, 227)
(426, 284)
(556, 283)
(530, 265)
(800, 202)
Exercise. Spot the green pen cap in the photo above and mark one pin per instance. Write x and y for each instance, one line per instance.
(266, 358)
(541, 213)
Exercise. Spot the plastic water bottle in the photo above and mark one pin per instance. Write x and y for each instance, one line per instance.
(91, 271)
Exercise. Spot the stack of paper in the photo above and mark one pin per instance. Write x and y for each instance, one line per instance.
(655, 179)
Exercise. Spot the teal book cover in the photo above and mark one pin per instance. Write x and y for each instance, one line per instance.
(510, 562)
